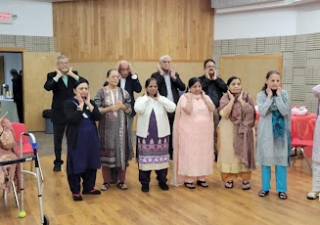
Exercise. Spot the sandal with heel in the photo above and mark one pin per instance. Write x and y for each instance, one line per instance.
(202, 183)
(189, 185)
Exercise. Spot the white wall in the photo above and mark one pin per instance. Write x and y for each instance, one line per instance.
(34, 18)
(308, 17)
(284, 21)
(11, 61)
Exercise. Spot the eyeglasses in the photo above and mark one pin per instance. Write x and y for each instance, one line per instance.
(63, 63)
(211, 67)
(127, 69)
(166, 61)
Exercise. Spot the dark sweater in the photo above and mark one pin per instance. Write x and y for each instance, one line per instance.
(74, 116)
(213, 88)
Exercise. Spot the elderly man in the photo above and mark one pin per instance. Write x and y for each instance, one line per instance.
(61, 83)
(169, 83)
(214, 87)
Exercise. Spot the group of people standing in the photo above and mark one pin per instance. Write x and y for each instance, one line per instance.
(184, 129)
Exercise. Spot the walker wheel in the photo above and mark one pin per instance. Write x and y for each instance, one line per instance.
(45, 220)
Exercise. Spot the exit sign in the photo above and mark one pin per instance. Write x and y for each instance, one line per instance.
(6, 17)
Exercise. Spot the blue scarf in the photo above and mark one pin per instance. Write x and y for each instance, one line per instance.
(278, 125)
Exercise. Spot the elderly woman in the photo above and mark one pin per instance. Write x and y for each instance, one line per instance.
(153, 132)
(236, 146)
(116, 149)
(273, 139)
(193, 137)
(314, 193)
(83, 158)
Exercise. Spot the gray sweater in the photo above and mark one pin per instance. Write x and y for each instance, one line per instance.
(270, 152)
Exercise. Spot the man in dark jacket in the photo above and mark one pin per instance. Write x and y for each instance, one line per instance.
(169, 83)
(214, 87)
(17, 92)
(61, 83)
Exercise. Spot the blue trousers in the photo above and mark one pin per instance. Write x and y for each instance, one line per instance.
(281, 178)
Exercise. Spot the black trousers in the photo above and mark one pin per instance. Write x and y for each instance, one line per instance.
(58, 132)
(19, 104)
(171, 120)
(144, 176)
(88, 181)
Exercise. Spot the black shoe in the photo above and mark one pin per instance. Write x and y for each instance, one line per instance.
(77, 197)
(215, 157)
(57, 167)
(163, 186)
(92, 192)
(145, 188)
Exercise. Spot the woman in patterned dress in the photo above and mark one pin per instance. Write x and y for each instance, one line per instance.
(153, 132)
(116, 150)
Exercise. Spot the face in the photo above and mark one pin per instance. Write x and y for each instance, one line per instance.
(196, 88)
(63, 65)
(273, 82)
(235, 86)
(113, 78)
(82, 89)
(210, 68)
(165, 64)
(152, 88)
(124, 69)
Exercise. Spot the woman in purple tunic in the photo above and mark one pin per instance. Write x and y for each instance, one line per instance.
(83, 157)
(153, 132)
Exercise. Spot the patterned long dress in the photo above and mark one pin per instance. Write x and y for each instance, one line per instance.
(152, 151)
(116, 147)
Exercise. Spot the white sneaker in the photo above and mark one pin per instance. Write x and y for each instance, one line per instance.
(312, 195)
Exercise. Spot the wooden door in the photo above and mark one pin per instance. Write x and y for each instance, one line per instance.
(36, 65)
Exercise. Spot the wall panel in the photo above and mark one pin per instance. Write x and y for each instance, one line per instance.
(138, 30)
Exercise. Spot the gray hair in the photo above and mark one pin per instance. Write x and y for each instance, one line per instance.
(123, 62)
(62, 57)
(163, 57)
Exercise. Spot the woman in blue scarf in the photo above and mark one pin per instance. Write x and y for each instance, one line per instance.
(273, 139)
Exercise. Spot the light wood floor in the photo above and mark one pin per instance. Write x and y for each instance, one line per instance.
(179, 205)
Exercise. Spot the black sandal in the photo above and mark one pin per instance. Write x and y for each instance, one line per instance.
(121, 185)
(263, 193)
(282, 195)
(189, 185)
(202, 183)
(228, 184)
(246, 185)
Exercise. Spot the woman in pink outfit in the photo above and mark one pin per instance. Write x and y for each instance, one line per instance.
(193, 137)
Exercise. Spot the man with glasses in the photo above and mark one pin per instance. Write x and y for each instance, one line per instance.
(169, 83)
(214, 87)
(61, 83)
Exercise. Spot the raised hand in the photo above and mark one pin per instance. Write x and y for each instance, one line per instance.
(70, 73)
(59, 74)
(87, 99)
(279, 91)
(131, 68)
(231, 97)
(269, 92)
(173, 72)
(159, 69)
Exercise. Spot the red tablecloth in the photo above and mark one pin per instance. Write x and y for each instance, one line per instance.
(299, 125)
(308, 133)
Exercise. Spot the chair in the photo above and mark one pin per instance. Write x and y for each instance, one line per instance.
(305, 147)
(25, 147)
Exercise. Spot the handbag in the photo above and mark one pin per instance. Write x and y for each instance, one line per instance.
(7, 141)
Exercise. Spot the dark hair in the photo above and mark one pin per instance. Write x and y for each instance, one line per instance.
(208, 60)
(109, 72)
(148, 81)
(80, 81)
(105, 83)
(231, 79)
(267, 77)
(14, 72)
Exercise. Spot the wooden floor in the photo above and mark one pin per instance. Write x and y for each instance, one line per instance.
(179, 205)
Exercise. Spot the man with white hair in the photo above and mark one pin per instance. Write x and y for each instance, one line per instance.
(169, 83)
(61, 83)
